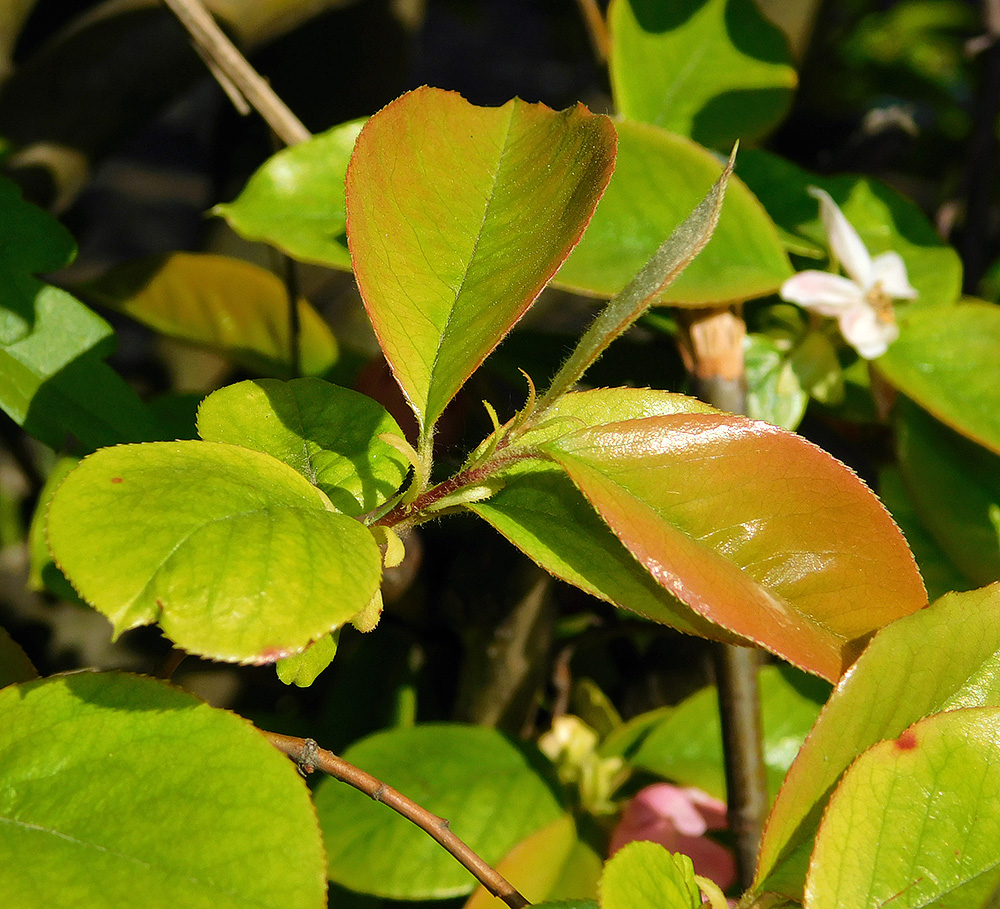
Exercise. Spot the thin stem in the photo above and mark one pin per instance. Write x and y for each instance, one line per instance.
(309, 757)
(234, 73)
(597, 29)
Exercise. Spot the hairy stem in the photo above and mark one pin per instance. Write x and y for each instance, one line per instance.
(309, 757)
(241, 82)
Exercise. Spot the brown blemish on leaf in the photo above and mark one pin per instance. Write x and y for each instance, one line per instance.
(117, 480)
(907, 741)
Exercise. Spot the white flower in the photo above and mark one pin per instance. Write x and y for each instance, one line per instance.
(862, 302)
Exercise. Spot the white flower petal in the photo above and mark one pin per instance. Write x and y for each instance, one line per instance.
(866, 333)
(844, 239)
(821, 292)
(889, 269)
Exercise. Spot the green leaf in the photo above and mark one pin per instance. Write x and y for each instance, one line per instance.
(810, 577)
(328, 434)
(458, 216)
(234, 554)
(659, 178)
(946, 360)
(295, 200)
(953, 484)
(773, 390)
(488, 787)
(304, 668)
(939, 574)
(53, 382)
(898, 680)
(884, 219)
(552, 863)
(914, 820)
(14, 663)
(545, 516)
(43, 573)
(714, 70)
(646, 876)
(221, 303)
(116, 789)
(686, 746)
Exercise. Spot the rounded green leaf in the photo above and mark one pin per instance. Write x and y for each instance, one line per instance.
(897, 680)
(222, 303)
(647, 876)
(753, 527)
(489, 789)
(659, 178)
(327, 433)
(954, 484)
(235, 554)
(946, 360)
(714, 70)
(883, 218)
(117, 790)
(457, 218)
(295, 201)
(686, 746)
(914, 821)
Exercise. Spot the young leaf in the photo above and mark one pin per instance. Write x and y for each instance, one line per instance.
(893, 684)
(946, 360)
(914, 821)
(659, 178)
(753, 528)
(329, 434)
(686, 745)
(118, 791)
(457, 218)
(295, 201)
(716, 71)
(235, 554)
(488, 788)
(646, 876)
(220, 303)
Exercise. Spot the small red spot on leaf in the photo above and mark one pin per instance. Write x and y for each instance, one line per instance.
(907, 741)
(272, 655)
(117, 480)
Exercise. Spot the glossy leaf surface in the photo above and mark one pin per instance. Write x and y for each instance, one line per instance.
(753, 527)
(457, 218)
(327, 433)
(235, 554)
(884, 219)
(914, 821)
(946, 359)
(222, 303)
(552, 864)
(714, 70)
(295, 200)
(686, 745)
(116, 789)
(659, 179)
(541, 512)
(954, 484)
(487, 787)
(896, 681)
(647, 876)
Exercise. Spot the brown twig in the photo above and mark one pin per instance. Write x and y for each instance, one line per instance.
(712, 345)
(236, 76)
(309, 757)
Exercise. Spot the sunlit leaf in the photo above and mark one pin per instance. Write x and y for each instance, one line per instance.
(221, 303)
(646, 876)
(458, 216)
(914, 821)
(714, 70)
(946, 359)
(235, 554)
(898, 680)
(659, 178)
(329, 434)
(117, 790)
(753, 527)
(295, 201)
(488, 787)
